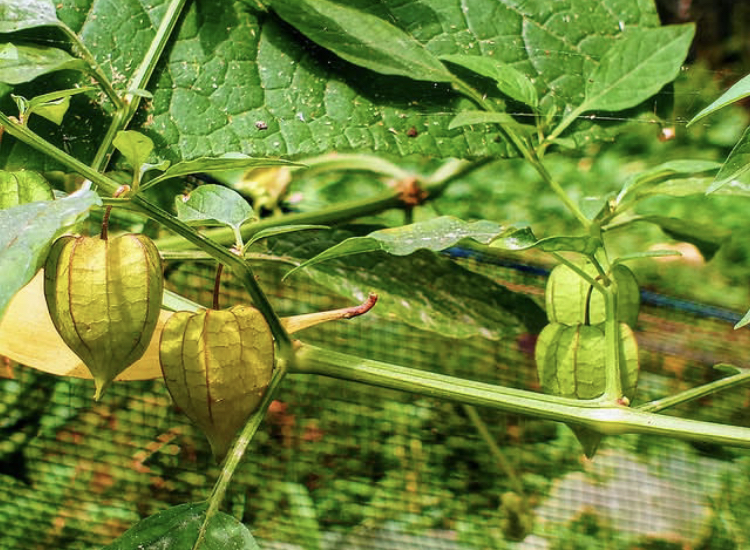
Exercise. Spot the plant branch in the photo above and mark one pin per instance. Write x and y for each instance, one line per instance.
(606, 419)
(94, 66)
(138, 81)
(696, 393)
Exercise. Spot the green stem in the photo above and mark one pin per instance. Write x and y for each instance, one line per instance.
(605, 419)
(138, 81)
(94, 67)
(696, 393)
(567, 121)
(481, 427)
(234, 458)
(526, 152)
(612, 355)
(334, 214)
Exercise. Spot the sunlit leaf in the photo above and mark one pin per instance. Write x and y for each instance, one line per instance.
(637, 66)
(436, 234)
(739, 91)
(470, 118)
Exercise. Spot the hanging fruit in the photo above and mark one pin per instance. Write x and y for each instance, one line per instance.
(217, 365)
(569, 296)
(104, 298)
(570, 360)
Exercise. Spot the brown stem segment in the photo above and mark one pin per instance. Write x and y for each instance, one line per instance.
(105, 221)
(217, 285)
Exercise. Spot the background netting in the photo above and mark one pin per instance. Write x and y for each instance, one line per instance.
(343, 465)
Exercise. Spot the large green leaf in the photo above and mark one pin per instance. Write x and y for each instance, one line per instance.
(16, 15)
(362, 38)
(240, 81)
(423, 289)
(26, 232)
(637, 66)
(178, 527)
(436, 234)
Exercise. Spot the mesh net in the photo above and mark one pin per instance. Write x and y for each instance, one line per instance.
(343, 465)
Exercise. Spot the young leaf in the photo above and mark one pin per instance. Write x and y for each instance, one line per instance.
(637, 66)
(26, 232)
(135, 147)
(510, 81)
(469, 118)
(231, 161)
(739, 91)
(436, 234)
(213, 205)
(178, 527)
(744, 321)
(23, 187)
(736, 165)
(16, 15)
(20, 63)
(54, 105)
(362, 39)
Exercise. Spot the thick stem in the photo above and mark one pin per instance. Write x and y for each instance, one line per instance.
(606, 419)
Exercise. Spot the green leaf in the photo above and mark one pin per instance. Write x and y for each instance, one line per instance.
(178, 527)
(744, 321)
(26, 233)
(20, 63)
(424, 289)
(280, 230)
(637, 66)
(52, 106)
(135, 147)
(16, 15)
(470, 118)
(524, 239)
(510, 81)
(436, 234)
(231, 161)
(23, 187)
(736, 166)
(661, 180)
(707, 238)
(739, 91)
(362, 39)
(213, 205)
